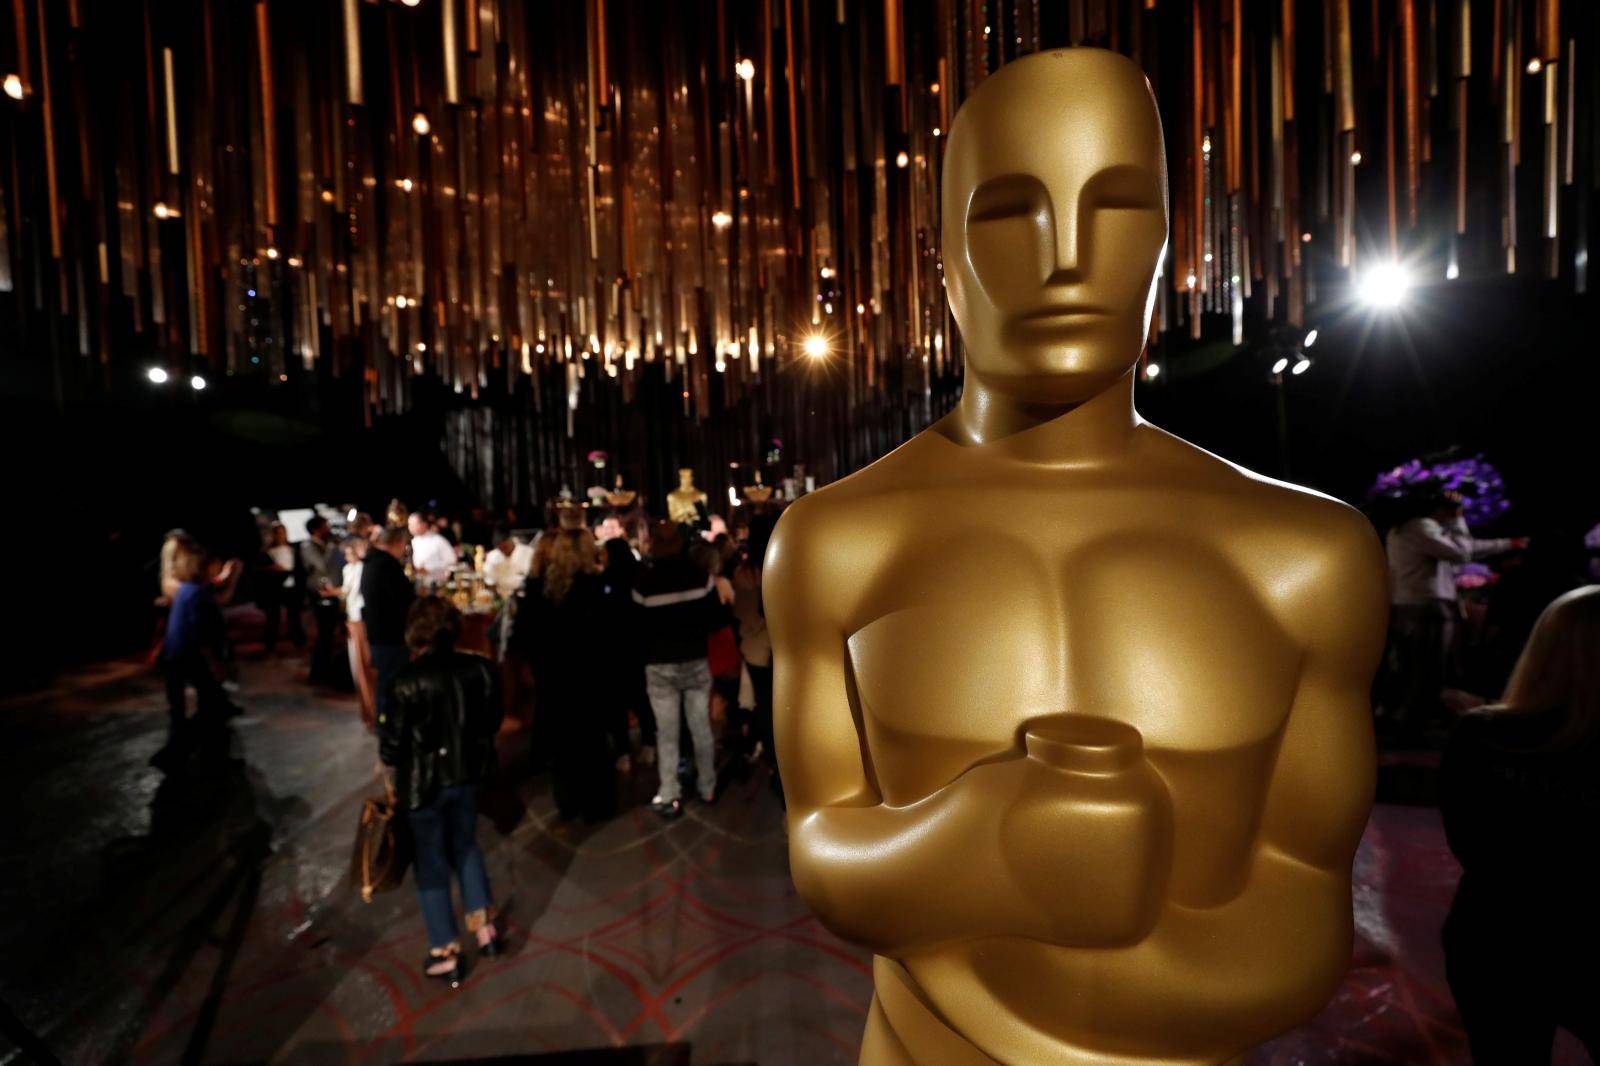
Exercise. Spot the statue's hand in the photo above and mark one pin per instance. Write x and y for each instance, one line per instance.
(1085, 830)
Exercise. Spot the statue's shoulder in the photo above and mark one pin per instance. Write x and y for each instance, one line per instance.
(1310, 553)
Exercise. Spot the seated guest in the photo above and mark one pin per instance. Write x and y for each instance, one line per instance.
(432, 556)
(194, 640)
(503, 568)
(439, 736)
(1522, 814)
(386, 598)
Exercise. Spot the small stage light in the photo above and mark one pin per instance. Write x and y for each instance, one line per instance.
(14, 88)
(1384, 285)
(197, 383)
(816, 346)
(902, 160)
(1280, 366)
(1152, 371)
(420, 123)
(746, 69)
(1311, 338)
(156, 375)
(1302, 366)
(722, 220)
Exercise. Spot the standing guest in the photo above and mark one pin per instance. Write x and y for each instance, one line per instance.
(1423, 554)
(322, 564)
(355, 553)
(194, 640)
(1521, 808)
(680, 610)
(276, 588)
(432, 557)
(558, 624)
(386, 598)
(755, 646)
(438, 736)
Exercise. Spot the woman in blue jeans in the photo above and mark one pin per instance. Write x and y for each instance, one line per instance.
(438, 736)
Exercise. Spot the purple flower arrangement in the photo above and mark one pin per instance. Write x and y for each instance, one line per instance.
(1481, 488)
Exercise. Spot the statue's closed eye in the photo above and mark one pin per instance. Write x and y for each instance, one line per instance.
(1011, 196)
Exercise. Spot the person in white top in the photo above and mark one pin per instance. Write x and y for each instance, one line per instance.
(432, 556)
(504, 571)
(1423, 555)
(361, 669)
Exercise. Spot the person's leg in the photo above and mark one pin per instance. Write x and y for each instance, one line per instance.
(177, 695)
(271, 604)
(432, 873)
(294, 605)
(761, 726)
(388, 660)
(325, 614)
(695, 678)
(467, 859)
(663, 690)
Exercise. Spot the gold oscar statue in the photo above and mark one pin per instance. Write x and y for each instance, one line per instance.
(685, 501)
(1072, 715)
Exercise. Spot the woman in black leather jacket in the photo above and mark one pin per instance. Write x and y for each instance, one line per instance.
(437, 734)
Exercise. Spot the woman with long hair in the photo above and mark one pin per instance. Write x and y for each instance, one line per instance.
(560, 621)
(1520, 794)
(438, 734)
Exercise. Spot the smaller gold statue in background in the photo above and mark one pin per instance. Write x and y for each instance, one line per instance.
(685, 501)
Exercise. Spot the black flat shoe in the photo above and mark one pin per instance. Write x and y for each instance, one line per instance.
(492, 949)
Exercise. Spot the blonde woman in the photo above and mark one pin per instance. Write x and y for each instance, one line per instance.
(1520, 794)
(559, 627)
(361, 670)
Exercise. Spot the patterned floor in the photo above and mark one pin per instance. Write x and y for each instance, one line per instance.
(213, 922)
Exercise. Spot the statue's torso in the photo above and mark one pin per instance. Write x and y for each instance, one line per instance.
(1003, 596)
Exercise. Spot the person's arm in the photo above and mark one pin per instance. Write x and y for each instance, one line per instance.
(1428, 536)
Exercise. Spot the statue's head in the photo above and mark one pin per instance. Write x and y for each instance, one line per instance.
(1055, 223)
(685, 477)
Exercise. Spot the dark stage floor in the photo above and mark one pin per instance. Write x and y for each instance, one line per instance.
(145, 923)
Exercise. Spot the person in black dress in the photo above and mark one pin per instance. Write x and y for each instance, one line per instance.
(560, 626)
(1520, 794)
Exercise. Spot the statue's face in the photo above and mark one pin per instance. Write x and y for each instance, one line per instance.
(685, 478)
(1055, 223)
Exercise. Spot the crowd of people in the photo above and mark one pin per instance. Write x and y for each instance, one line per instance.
(624, 647)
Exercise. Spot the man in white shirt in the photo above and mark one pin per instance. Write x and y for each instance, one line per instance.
(1423, 555)
(506, 566)
(432, 556)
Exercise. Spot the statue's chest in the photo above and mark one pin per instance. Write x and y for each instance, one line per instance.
(969, 640)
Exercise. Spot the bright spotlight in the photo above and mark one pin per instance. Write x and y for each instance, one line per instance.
(156, 375)
(1384, 285)
(1301, 367)
(14, 87)
(197, 383)
(902, 160)
(815, 346)
(420, 123)
(1152, 371)
(1311, 338)
(745, 68)
(1281, 365)
(722, 220)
